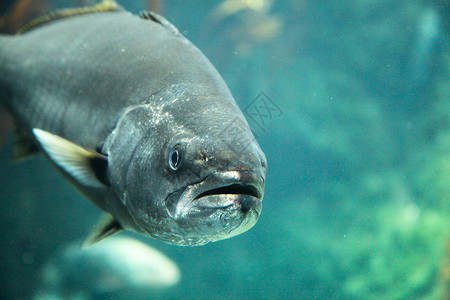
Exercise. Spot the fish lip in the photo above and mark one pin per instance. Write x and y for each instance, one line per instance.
(199, 192)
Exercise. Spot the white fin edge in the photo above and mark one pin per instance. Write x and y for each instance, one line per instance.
(72, 158)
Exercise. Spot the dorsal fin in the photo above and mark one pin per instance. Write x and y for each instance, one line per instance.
(104, 6)
(152, 16)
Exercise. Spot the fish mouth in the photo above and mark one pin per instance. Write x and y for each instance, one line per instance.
(224, 204)
(232, 189)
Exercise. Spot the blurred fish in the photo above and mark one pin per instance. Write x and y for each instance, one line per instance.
(231, 7)
(243, 24)
(424, 51)
(154, 5)
(138, 119)
(122, 267)
(245, 33)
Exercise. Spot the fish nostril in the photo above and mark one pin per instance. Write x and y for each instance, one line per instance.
(246, 205)
(263, 164)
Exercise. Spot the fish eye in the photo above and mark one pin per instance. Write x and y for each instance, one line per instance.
(175, 157)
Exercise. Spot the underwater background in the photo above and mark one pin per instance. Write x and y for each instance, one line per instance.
(353, 102)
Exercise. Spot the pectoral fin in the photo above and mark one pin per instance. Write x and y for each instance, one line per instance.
(85, 166)
(106, 227)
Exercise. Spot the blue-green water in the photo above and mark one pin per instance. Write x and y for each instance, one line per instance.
(357, 138)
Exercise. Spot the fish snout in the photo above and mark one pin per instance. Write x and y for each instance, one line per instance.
(243, 190)
(223, 205)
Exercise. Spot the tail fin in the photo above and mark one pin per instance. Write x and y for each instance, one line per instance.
(20, 13)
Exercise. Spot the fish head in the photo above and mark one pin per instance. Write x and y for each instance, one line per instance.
(188, 181)
(221, 190)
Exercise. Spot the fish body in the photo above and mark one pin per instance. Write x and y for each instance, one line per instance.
(139, 121)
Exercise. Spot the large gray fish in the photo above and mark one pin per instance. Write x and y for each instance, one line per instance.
(138, 119)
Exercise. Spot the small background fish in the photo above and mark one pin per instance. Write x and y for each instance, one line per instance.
(122, 268)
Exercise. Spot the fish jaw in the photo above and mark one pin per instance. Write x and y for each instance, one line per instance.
(221, 206)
